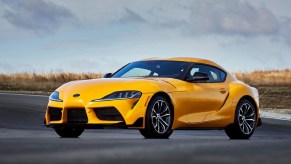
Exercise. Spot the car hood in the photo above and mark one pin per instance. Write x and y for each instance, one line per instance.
(102, 87)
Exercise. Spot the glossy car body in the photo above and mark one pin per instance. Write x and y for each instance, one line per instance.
(204, 104)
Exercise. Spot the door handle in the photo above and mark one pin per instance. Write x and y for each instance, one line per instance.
(222, 91)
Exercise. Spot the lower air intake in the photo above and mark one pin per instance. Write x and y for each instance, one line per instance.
(55, 114)
(108, 114)
(77, 116)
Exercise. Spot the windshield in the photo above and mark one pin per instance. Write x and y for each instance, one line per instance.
(153, 68)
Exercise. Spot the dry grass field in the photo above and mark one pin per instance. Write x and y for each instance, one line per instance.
(266, 78)
(34, 82)
(274, 85)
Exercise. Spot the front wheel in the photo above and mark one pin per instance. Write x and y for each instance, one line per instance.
(69, 132)
(244, 122)
(159, 119)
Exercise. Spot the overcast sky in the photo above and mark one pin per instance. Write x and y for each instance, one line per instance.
(103, 35)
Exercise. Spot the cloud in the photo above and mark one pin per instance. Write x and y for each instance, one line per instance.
(224, 17)
(82, 65)
(6, 67)
(230, 17)
(151, 17)
(35, 15)
(131, 16)
(286, 30)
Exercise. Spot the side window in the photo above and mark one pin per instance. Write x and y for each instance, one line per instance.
(215, 75)
(137, 72)
(222, 76)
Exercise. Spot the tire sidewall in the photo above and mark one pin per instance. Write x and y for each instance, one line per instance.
(69, 132)
(236, 121)
(148, 123)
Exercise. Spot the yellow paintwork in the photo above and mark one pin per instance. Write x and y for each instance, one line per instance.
(196, 105)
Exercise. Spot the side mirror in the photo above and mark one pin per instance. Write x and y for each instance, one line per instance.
(107, 75)
(199, 77)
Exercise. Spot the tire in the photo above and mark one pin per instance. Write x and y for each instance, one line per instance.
(69, 132)
(245, 121)
(159, 119)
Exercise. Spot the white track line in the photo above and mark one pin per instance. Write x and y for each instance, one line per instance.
(22, 94)
(277, 116)
(263, 114)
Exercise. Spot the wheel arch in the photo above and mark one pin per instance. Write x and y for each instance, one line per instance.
(233, 130)
(148, 131)
(252, 100)
(166, 96)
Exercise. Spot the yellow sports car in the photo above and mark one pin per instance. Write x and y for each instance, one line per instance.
(157, 96)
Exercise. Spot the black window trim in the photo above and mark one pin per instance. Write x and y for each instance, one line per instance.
(119, 70)
(184, 76)
(181, 77)
(191, 66)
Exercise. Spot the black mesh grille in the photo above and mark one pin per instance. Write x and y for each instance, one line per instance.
(77, 116)
(109, 114)
(55, 114)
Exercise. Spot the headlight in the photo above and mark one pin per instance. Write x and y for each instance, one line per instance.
(55, 96)
(121, 95)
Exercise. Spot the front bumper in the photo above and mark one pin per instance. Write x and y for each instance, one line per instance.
(138, 124)
(121, 113)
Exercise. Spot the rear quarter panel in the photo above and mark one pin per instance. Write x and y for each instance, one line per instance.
(239, 89)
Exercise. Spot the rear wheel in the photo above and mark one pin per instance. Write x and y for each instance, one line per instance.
(69, 132)
(159, 119)
(245, 121)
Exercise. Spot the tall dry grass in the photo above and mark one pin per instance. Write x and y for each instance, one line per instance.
(46, 82)
(266, 78)
(274, 85)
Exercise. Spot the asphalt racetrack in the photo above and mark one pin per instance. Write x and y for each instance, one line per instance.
(23, 139)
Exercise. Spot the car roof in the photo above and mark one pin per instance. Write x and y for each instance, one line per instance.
(188, 59)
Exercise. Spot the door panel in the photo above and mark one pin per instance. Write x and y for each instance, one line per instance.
(205, 96)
